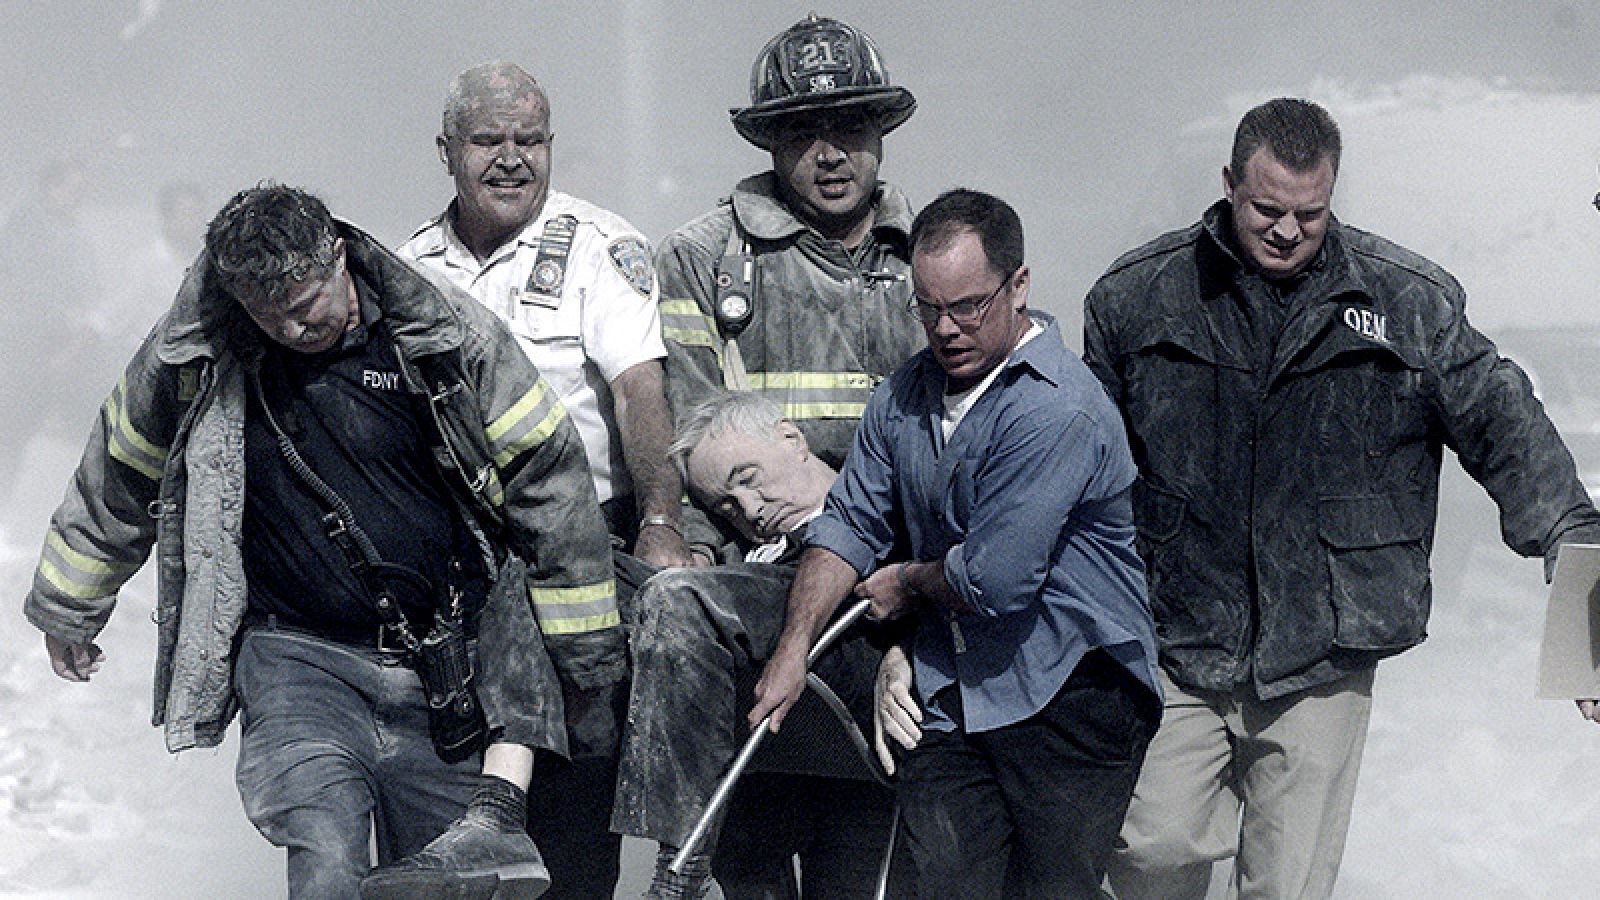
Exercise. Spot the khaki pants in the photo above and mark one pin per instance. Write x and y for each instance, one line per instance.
(1270, 783)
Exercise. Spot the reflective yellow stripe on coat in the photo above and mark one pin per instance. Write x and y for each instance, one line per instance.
(574, 610)
(124, 442)
(816, 395)
(79, 575)
(683, 322)
(519, 429)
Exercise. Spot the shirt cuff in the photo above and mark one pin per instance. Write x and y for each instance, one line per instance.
(955, 572)
(834, 536)
(612, 366)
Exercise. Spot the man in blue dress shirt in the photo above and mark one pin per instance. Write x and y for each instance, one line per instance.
(997, 459)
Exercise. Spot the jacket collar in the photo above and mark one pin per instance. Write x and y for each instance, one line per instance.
(764, 216)
(1336, 280)
(412, 303)
(1332, 269)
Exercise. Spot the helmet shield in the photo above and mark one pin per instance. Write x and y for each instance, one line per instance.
(819, 64)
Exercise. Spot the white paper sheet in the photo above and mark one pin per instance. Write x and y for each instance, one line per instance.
(1569, 659)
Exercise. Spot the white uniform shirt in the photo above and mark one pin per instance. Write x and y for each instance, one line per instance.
(605, 322)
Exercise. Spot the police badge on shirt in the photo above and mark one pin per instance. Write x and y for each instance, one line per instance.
(549, 273)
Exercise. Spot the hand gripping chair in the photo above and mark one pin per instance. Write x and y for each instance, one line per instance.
(819, 737)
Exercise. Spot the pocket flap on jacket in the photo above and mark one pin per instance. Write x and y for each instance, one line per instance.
(1181, 338)
(1341, 341)
(1371, 520)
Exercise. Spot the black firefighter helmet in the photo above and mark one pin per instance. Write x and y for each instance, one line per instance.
(818, 64)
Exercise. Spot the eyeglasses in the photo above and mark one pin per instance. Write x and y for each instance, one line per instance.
(965, 313)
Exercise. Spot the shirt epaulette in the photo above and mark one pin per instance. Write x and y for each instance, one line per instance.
(1171, 242)
(434, 222)
(607, 223)
(1383, 251)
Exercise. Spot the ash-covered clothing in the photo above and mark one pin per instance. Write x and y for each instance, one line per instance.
(1028, 506)
(354, 424)
(1029, 810)
(828, 323)
(578, 288)
(701, 639)
(165, 467)
(699, 629)
(1289, 470)
(334, 751)
(1271, 782)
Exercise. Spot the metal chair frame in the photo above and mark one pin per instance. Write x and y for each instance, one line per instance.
(719, 798)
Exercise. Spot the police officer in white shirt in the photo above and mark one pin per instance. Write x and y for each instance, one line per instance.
(577, 286)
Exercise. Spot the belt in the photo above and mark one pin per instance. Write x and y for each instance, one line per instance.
(381, 639)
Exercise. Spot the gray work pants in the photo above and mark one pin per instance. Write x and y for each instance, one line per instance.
(698, 630)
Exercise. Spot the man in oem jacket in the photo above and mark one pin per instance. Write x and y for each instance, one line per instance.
(1289, 383)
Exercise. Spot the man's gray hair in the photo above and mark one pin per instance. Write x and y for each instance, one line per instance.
(486, 79)
(742, 411)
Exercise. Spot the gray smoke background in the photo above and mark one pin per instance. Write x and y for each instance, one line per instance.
(1472, 135)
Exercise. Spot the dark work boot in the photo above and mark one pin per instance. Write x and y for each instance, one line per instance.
(485, 854)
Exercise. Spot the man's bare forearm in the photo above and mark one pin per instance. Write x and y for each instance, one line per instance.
(644, 424)
(822, 580)
(927, 579)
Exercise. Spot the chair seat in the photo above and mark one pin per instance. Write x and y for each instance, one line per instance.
(819, 737)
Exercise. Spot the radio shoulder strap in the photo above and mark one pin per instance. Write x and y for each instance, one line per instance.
(734, 303)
